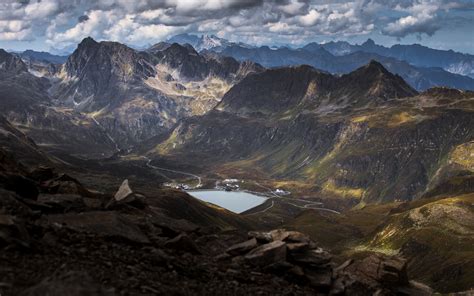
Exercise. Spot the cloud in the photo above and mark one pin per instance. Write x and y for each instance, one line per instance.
(311, 18)
(423, 18)
(63, 23)
(41, 9)
(97, 23)
(22, 35)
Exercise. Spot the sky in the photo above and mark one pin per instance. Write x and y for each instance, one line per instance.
(58, 25)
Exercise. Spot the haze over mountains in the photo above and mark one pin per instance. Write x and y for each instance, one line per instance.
(372, 145)
(420, 66)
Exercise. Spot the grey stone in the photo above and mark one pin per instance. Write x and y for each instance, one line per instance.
(267, 254)
(243, 247)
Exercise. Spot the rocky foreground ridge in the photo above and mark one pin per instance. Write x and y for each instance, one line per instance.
(60, 238)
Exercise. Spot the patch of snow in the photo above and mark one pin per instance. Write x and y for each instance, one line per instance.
(36, 73)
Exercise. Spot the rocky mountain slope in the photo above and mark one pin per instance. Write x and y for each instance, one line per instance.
(434, 234)
(58, 237)
(138, 95)
(111, 96)
(27, 104)
(362, 137)
(305, 87)
(374, 170)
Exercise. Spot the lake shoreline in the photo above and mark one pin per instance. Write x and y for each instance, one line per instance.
(236, 201)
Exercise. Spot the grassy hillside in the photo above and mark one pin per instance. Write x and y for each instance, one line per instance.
(436, 235)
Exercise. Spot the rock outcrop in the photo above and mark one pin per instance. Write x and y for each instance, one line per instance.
(296, 257)
(66, 241)
(125, 195)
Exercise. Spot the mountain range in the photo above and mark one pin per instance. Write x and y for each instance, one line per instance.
(205, 42)
(420, 66)
(414, 54)
(374, 163)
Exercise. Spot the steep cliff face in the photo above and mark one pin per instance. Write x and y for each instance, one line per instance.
(107, 81)
(366, 136)
(135, 95)
(27, 103)
(99, 75)
(184, 64)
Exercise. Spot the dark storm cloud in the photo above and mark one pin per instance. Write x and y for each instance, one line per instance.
(82, 18)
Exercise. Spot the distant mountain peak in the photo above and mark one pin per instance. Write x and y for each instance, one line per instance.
(369, 42)
(373, 80)
(374, 65)
(11, 62)
(42, 56)
(160, 46)
(204, 42)
(88, 41)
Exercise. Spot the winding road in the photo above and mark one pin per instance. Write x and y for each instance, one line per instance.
(308, 205)
(148, 164)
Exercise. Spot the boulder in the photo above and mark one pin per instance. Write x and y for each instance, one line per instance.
(13, 232)
(297, 237)
(296, 271)
(65, 184)
(379, 270)
(267, 254)
(242, 248)
(42, 173)
(107, 224)
(278, 234)
(123, 192)
(297, 247)
(63, 202)
(261, 237)
(394, 271)
(320, 277)
(314, 257)
(10, 204)
(183, 243)
(125, 195)
(289, 236)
